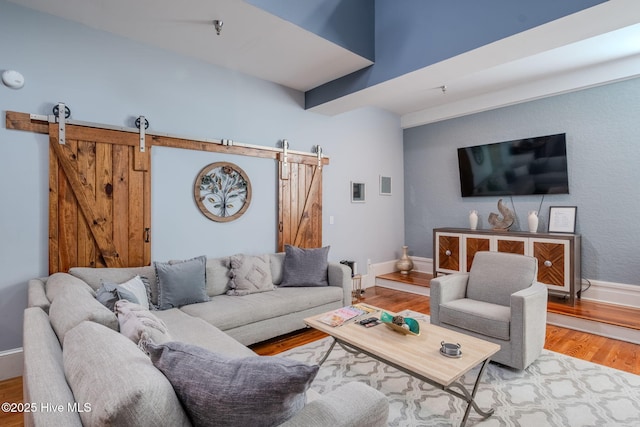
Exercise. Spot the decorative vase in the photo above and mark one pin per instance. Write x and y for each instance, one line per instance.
(533, 221)
(473, 219)
(404, 264)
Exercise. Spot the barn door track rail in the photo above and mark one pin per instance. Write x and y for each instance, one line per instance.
(39, 123)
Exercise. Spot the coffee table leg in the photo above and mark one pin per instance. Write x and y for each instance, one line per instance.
(470, 397)
(333, 344)
(326, 355)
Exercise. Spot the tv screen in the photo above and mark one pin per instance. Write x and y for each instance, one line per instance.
(524, 166)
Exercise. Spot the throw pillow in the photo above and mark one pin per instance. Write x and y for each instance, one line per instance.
(136, 290)
(105, 369)
(216, 390)
(181, 283)
(107, 295)
(139, 324)
(249, 274)
(305, 267)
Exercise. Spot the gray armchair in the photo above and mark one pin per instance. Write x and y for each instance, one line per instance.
(500, 301)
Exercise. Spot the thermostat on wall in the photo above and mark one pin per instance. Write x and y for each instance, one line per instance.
(12, 79)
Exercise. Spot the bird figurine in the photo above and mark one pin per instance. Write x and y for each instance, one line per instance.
(503, 223)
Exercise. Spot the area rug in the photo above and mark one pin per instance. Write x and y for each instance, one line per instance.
(556, 390)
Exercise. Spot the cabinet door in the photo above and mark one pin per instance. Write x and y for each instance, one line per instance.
(448, 252)
(553, 262)
(512, 245)
(472, 244)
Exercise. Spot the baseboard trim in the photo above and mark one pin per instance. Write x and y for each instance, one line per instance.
(596, 328)
(612, 293)
(11, 364)
(599, 291)
(404, 287)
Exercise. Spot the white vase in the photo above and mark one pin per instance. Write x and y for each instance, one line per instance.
(473, 219)
(533, 221)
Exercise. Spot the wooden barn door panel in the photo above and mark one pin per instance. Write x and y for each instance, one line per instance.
(99, 202)
(300, 206)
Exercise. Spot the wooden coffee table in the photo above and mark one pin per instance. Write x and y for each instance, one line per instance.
(418, 356)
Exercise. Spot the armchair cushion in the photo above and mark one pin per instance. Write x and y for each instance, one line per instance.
(494, 276)
(478, 316)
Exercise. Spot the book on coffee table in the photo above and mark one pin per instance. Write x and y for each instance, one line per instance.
(340, 316)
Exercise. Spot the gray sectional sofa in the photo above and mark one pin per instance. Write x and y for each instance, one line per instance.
(85, 372)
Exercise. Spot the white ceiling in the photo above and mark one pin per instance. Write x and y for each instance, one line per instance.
(592, 47)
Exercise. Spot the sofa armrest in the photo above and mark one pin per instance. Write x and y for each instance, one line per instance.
(352, 405)
(529, 321)
(443, 289)
(37, 296)
(340, 275)
(43, 379)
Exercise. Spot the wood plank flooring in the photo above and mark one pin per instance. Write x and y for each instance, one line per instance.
(593, 348)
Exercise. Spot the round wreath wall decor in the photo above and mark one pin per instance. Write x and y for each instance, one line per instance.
(222, 191)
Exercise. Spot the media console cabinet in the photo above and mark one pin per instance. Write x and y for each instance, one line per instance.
(558, 254)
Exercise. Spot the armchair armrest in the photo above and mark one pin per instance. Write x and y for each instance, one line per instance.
(444, 289)
(529, 321)
(352, 405)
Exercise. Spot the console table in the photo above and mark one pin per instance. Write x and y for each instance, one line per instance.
(558, 254)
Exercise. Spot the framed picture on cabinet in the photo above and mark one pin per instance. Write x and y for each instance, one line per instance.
(357, 192)
(562, 219)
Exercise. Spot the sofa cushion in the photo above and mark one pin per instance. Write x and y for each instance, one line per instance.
(249, 274)
(494, 276)
(192, 330)
(59, 282)
(109, 372)
(478, 316)
(217, 272)
(75, 305)
(305, 267)
(181, 283)
(137, 323)
(96, 276)
(226, 312)
(220, 391)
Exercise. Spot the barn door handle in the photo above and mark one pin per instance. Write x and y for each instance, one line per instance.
(147, 235)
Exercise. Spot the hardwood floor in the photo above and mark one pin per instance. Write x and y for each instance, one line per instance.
(11, 392)
(593, 348)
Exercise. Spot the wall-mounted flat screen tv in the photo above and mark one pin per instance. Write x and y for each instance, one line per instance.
(524, 166)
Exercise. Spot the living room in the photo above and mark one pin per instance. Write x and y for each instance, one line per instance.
(111, 79)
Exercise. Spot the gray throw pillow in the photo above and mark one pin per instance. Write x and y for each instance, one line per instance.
(136, 290)
(216, 390)
(181, 283)
(305, 267)
(107, 295)
(249, 274)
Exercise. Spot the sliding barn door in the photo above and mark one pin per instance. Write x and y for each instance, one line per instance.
(300, 205)
(99, 199)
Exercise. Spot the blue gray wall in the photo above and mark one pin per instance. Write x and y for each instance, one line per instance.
(420, 33)
(111, 80)
(347, 23)
(603, 150)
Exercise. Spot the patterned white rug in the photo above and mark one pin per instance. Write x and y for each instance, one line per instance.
(556, 390)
